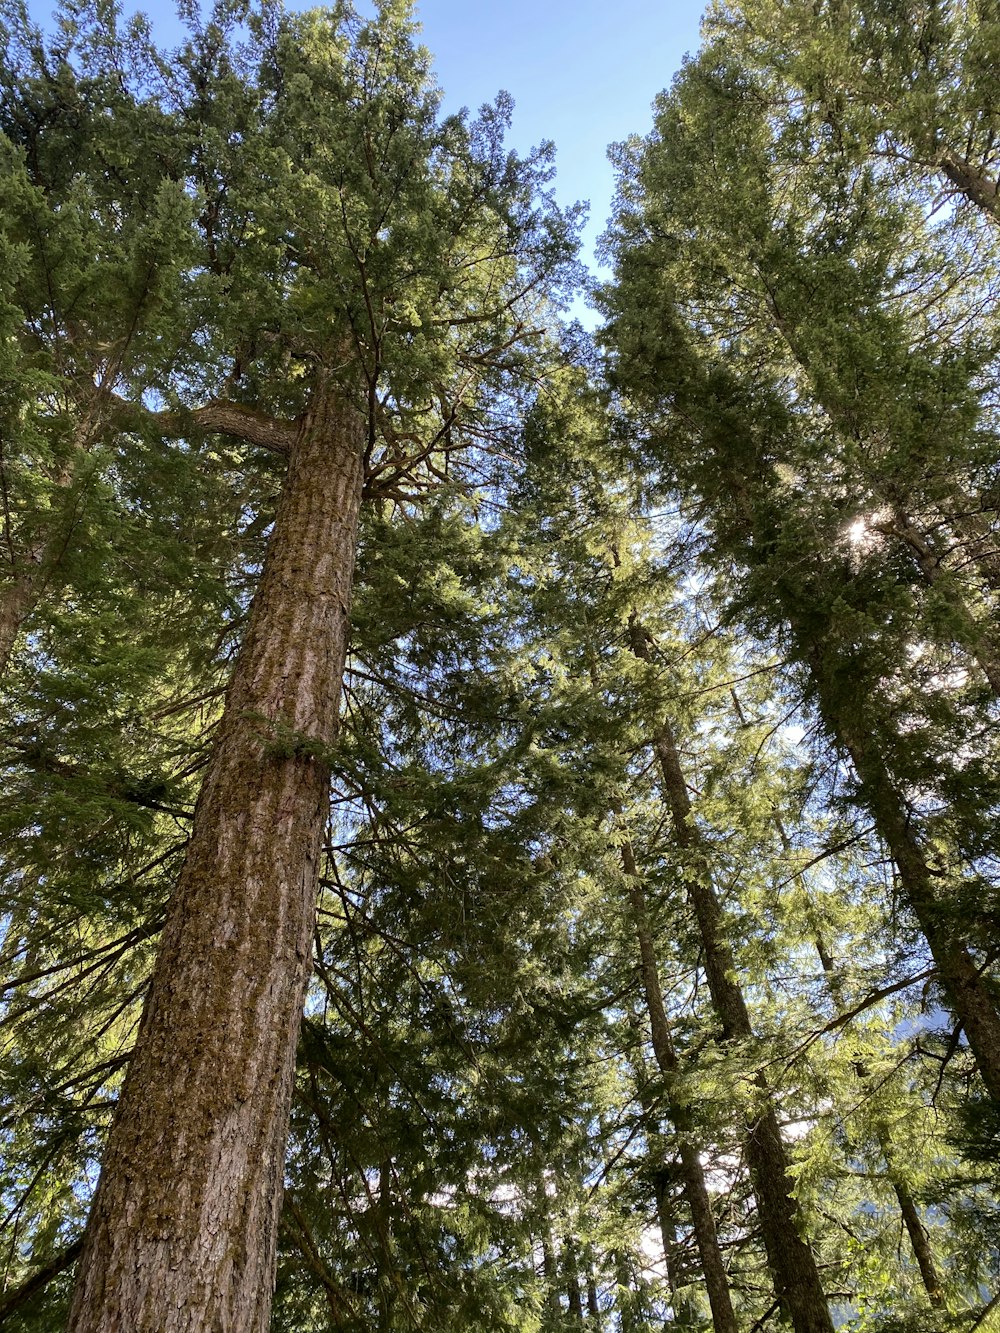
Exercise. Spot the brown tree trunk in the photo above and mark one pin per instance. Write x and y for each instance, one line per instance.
(916, 1231)
(181, 1235)
(919, 1240)
(968, 990)
(692, 1175)
(593, 1303)
(793, 1267)
(574, 1292)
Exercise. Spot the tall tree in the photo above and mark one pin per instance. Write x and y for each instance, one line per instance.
(757, 441)
(361, 281)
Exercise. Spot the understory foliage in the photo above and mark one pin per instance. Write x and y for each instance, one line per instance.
(665, 804)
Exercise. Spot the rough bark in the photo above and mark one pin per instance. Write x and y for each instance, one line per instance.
(692, 1175)
(218, 417)
(791, 1261)
(969, 992)
(182, 1231)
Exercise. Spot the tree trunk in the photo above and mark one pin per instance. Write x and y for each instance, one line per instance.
(967, 989)
(17, 601)
(574, 1292)
(593, 1301)
(692, 1175)
(181, 1235)
(793, 1267)
(919, 1240)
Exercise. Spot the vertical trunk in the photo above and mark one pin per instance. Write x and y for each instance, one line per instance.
(969, 991)
(574, 1292)
(181, 1234)
(684, 1311)
(791, 1261)
(919, 1240)
(593, 1304)
(692, 1175)
(549, 1274)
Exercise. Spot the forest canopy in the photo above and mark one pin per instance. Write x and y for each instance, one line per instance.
(499, 824)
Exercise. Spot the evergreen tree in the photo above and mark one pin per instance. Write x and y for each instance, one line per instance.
(361, 281)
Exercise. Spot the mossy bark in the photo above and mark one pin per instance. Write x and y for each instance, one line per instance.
(182, 1231)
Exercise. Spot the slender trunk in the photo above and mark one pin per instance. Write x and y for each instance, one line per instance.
(919, 1240)
(549, 1274)
(574, 1292)
(968, 990)
(685, 1314)
(692, 1174)
(791, 1261)
(181, 1235)
(916, 1231)
(593, 1301)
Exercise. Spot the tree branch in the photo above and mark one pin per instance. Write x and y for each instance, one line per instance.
(221, 417)
(13, 1300)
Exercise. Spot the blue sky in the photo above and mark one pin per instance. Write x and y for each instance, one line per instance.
(582, 73)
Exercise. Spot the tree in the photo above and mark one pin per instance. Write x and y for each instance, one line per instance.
(782, 458)
(358, 280)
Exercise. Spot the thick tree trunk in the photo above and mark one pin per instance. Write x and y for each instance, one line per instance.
(793, 1267)
(181, 1235)
(970, 993)
(692, 1175)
